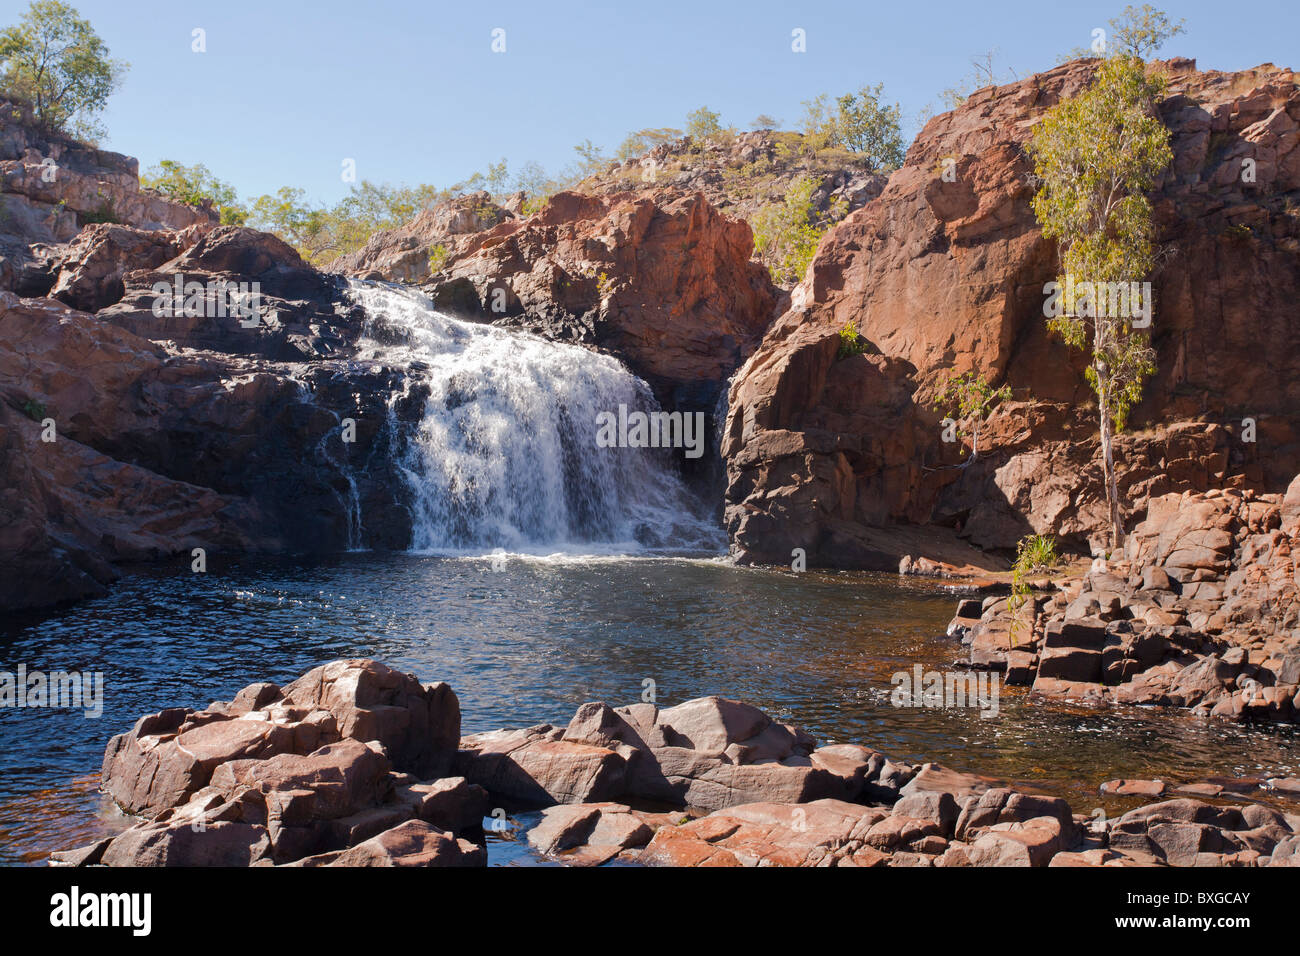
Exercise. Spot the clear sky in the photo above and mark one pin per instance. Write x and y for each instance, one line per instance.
(413, 92)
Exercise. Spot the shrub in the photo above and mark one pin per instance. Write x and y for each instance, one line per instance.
(1035, 553)
(851, 343)
(786, 235)
(437, 258)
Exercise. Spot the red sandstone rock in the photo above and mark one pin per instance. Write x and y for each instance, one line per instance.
(946, 277)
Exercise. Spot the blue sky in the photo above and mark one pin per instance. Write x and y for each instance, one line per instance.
(413, 92)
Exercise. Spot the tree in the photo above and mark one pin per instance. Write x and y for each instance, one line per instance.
(591, 158)
(1096, 156)
(293, 219)
(868, 128)
(195, 186)
(643, 140)
(703, 124)
(763, 121)
(786, 235)
(54, 59)
(818, 124)
(1140, 31)
(969, 398)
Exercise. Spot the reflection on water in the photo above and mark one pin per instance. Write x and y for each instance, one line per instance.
(529, 643)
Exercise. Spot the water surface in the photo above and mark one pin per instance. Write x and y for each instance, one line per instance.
(525, 640)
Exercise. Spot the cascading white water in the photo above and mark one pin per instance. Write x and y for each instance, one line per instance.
(506, 453)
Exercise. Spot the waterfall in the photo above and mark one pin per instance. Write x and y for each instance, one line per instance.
(506, 454)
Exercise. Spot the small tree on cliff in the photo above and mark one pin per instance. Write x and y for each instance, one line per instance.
(1096, 156)
(968, 399)
(54, 59)
(1140, 31)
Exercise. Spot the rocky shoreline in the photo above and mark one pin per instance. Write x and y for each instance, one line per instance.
(355, 764)
(1200, 611)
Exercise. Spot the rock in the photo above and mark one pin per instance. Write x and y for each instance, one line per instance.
(149, 770)
(538, 768)
(97, 260)
(822, 450)
(414, 843)
(1070, 664)
(1001, 805)
(1135, 788)
(820, 833)
(854, 765)
(1286, 785)
(451, 804)
(711, 724)
(666, 284)
(1029, 843)
(927, 805)
(180, 844)
(418, 724)
(333, 782)
(169, 756)
(605, 828)
(936, 778)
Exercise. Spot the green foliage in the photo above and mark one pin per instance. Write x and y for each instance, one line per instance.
(321, 233)
(870, 129)
(1136, 32)
(818, 124)
(437, 258)
(105, 213)
(970, 398)
(859, 123)
(1141, 31)
(1036, 553)
(763, 121)
(54, 59)
(1096, 156)
(604, 286)
(34, 410)
(851, 343)
(195, 186)
(643, 140)
(591, 159)
(786, 235)
(703, 125)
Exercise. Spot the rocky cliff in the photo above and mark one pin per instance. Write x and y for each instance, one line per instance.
(944, 274)
(131, 432)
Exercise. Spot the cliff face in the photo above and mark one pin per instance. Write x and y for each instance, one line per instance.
(663, 282)
(945, 275)
(51, 187)
(174, 430)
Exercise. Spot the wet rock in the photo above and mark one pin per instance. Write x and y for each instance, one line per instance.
(1135, 788)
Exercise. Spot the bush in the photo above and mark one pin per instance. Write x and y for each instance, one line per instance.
(859, 123)
(851, 343)
(1035, 553)
(195, 186)
(54, 59)
(437, 258)
(703, 124)
(786, 235)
